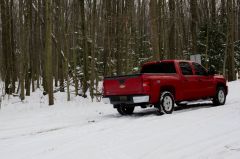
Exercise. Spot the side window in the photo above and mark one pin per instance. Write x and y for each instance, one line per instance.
(199, 70)
(185, 68)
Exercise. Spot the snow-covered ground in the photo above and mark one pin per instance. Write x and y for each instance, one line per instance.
(80, 129)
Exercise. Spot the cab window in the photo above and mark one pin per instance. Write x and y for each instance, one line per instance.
(185, 68)
(162, 67)
(199, 70)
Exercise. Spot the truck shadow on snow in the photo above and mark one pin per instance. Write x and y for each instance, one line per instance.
(178, 109)
(190, 107)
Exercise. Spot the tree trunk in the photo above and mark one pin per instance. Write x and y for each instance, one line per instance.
(85, 48)
(7, 45)
(48, 50)
(154, 28)
(22, 54)
(213, 11)
(230, 46)
(193, 9)
(172, 32)
(93, 22)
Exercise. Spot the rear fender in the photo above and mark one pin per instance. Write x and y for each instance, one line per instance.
(157, 94)
(169, 88)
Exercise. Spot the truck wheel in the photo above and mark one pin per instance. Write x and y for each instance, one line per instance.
(167, 102)
(125, 110)
(220, 97)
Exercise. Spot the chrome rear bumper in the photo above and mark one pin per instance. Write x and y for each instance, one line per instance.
(126, 99)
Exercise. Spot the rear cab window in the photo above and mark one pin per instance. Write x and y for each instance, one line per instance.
(186, 68)
(161, 67)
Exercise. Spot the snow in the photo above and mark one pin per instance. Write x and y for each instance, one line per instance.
(92, 130)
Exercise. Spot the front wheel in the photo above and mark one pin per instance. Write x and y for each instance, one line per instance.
(125, 110)
(220, 97)
(167, 102)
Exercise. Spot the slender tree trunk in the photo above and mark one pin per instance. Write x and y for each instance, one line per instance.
(213, 11)
(193, 9)
(230, 46)
(6, 45)
(172, 33)
(22, 54)
(60, 38)
(85, 48)
(154, 28)
(93, 21)
(28, 47)
(75, 41)
(13, 60)
(48, 50)
(118, 38)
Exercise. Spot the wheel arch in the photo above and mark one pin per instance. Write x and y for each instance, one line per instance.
(168, 88)
(221, 84)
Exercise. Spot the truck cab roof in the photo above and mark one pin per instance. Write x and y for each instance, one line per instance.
(154, 62)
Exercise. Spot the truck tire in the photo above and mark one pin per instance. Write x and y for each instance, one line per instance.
(167, 102)
(125, 110)
(220, 97)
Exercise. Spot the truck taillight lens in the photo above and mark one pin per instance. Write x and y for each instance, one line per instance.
(146, 86)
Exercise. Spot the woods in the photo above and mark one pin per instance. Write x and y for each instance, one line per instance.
(65, 45)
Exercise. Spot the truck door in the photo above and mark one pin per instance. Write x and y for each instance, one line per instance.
(188, 82)
(205, 85)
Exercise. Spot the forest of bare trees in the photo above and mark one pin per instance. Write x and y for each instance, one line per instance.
(62, 44)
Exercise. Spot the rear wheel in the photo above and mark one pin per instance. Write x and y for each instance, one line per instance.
(125, 110)
(166, 102)
(220, 97)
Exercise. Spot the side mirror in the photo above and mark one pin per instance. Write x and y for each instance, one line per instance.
(212, 70)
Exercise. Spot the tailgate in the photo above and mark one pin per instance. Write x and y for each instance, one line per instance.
(123, 85)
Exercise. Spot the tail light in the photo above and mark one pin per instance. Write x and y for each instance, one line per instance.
(146, 86)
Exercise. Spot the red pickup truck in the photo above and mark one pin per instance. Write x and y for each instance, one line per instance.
(162, 84)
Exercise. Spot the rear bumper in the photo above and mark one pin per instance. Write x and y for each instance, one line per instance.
(126, 99)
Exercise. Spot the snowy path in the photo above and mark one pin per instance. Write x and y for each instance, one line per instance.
(80, 129)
